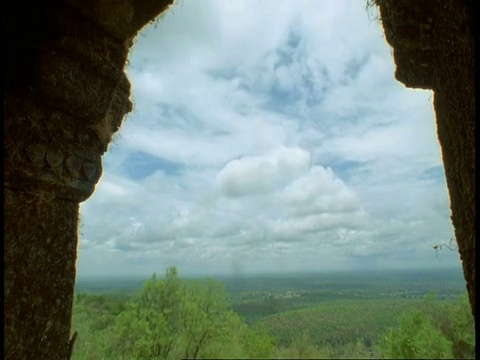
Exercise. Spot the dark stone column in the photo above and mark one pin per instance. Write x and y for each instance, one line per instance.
(40, 254)
(433, 43)
(454, 87)
(65, 95)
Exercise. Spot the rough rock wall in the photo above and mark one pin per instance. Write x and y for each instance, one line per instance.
(434, 43)
(65, 94)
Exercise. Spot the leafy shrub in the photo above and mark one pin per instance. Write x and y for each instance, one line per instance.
(416, 338)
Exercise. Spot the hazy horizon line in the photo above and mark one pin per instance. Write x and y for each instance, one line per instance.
(190, 274)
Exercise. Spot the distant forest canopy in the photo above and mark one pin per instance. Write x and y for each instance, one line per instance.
(449, 279)
(294, 316)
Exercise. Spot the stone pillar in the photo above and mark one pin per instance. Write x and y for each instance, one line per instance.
(454, 87)
(433, 43)
(65, 95)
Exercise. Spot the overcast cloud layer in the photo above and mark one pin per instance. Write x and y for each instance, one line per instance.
(268, 136)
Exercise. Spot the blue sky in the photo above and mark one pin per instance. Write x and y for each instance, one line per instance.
(268, 136)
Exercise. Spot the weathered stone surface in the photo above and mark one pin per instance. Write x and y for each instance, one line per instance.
(65, 95)
(433, 43)
(39, 275)
(409, 28)
(121, 18)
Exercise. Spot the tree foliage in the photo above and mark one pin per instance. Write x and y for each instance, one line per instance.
(434, 330)
(455, 322)
(173, 318)
(416, 338)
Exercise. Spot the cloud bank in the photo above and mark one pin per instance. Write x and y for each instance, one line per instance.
(268, 137)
